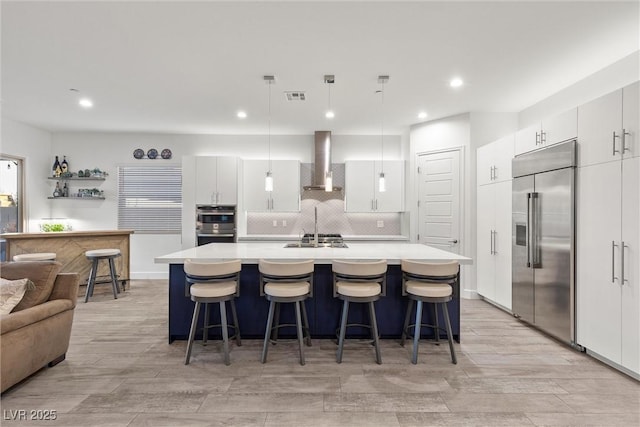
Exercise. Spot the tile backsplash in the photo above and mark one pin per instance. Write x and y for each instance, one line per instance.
(331, 215)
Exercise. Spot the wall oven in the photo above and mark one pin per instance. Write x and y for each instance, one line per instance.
(215, 224)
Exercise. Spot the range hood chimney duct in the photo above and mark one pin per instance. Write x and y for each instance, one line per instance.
(322, 161)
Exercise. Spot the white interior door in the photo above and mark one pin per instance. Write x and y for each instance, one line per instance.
(439, 198)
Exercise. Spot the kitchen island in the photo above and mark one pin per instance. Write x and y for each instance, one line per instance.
(323, 308)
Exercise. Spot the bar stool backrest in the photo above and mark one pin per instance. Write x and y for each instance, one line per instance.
(198, 271)
(360, 271)
(286, 272)
(429, 272)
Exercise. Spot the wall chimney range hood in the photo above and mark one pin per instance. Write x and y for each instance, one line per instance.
(322, 161)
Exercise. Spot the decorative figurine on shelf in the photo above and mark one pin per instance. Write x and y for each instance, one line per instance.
(65, 190)
(80, 173)
(57, 192)
(65, 165)
(57, 169)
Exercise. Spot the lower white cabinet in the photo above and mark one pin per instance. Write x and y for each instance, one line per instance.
(608, 261)
(493, 254)
(285, 196)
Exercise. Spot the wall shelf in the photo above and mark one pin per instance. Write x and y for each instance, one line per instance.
(76, 198)
(75, 178)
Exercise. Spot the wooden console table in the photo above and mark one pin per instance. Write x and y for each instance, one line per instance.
(70, 246)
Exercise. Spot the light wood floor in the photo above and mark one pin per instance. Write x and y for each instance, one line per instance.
(121, 371)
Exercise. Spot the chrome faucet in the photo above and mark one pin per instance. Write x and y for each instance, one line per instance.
(315, 230)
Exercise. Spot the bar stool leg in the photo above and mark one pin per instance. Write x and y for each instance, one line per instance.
(114, 282)
(407, 317)
(343, 327)
(205, 328)
(192, 332)
(225, 332)
(92, 279)
(300, 335)
(274, 332)
(305, 322)
(234, 313)
(374, 331)
(416, 332)
(449, 334)
(267, 332)
(436, 323)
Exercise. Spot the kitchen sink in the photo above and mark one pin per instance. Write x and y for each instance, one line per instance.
(320, 245)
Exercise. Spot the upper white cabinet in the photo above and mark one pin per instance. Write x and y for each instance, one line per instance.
(285, 196)
(362, 193)
(551, 130)
(494, 161)
(608, 127)
(216, 180)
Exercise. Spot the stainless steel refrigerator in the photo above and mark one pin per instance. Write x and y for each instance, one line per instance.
(543, 231)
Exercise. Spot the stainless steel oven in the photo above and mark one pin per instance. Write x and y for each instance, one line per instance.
(215, 224)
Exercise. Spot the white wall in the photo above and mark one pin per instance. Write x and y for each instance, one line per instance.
(615, 76)
(34, 147)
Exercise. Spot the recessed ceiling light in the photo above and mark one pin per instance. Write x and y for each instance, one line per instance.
(241, 115)
(85, 102)
(456, 82)
(422, 115)
(329, 114)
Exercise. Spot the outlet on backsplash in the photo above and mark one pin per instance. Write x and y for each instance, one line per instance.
(284, 222)
(275, 222)
(380, 224)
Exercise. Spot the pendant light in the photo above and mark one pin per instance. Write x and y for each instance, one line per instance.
(329, 79)
(382, 187)
(268, 181)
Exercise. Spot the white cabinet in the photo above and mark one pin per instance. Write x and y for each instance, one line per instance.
(285, 196)
(216, 180)
(551, 130)
(494, 161)
(494, 242)
(362, 193)
(608, 127)
(608, 258)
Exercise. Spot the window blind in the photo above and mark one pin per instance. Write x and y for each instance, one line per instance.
(150, 199)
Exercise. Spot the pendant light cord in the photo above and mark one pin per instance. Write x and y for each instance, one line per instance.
(382, 128)
(269, 127)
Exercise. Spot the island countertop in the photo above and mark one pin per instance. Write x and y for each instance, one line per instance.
(252, 252)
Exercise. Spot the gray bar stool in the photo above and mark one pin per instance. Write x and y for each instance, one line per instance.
(360, 282)
(40, 256)
(286, 282)
(431, 283)
(95, 256)
(211, 282)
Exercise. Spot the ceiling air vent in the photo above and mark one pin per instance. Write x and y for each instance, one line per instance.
(295, 95)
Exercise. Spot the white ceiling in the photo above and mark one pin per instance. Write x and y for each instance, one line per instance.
(183, 67)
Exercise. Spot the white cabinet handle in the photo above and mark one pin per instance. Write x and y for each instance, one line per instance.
(613, 261)
(613, 143)
(622, 263)
(624, 140)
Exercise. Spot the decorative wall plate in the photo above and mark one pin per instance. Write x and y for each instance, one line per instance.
(166, 154)
(152, 153)
(138, 153)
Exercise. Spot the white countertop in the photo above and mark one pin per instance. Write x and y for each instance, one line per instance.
(252, 252)
(346, 238)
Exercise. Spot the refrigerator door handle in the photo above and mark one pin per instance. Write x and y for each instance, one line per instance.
(535, 262)
(613, 261)
(528, 230)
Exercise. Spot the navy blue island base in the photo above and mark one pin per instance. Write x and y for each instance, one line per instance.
(323, 309)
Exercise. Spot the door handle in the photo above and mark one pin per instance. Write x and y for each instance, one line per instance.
(537, 138)
(535, 262)
(495, 173)
(454, 241)
(491, 242)
(528, 230)
(613, 261)
(543, 137)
